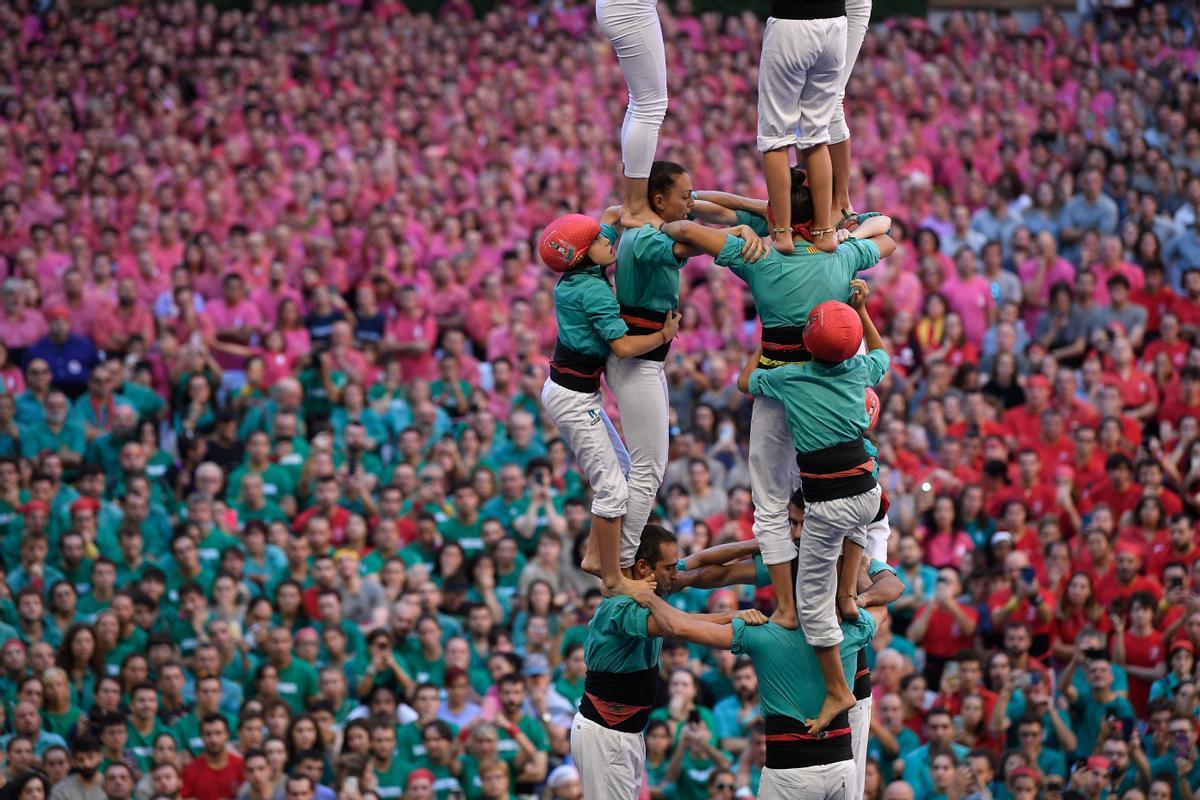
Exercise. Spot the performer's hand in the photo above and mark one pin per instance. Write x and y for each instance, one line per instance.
(751, 616)
(671, 324)
(859, 289)
(643, 596)
(754, 248)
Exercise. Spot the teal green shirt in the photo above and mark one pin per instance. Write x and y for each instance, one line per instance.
(786, 288)
(588, 315)
(780, 655)
(39, 437)
(618, 640)
(648, 270)
(824, 402)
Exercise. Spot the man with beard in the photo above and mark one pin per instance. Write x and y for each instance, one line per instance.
(71, 358)
(622, 653)
(85, 781)
(217, 773)
(56, 433)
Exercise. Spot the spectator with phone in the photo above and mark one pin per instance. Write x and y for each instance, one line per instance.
(1099, 705)
(1181, 764)
(1023, 600)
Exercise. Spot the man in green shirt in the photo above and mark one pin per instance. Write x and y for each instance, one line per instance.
(466, 526)
(439, 760)
(387, 764)
(521, 733)
(56, 433)
(298, 683)
(144, 726)
(278, 487)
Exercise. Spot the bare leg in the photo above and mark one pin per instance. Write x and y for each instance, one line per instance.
(820, 183)
(603, 557)
(848, 572)
(635, 212)
(777, 169)
(785, 598)
(838, 697)
(839, 155)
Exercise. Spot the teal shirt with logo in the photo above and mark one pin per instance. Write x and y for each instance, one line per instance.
(780, 655)
(648, 270)
(588, 315)
(618, 640)
(786, 288)
(823, 402)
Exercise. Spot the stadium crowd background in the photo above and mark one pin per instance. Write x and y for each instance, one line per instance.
(273, 338)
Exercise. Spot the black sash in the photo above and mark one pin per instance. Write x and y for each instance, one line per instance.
(791, 746)
(574, 370)
(642, 322)
(808, 9)
(619, 701)
(844, 470)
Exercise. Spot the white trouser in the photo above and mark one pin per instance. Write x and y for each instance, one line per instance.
(598, 449)
(640, 387)
(824, 782)
(860, 732)
(798, 80)
(858, 15)
(774, 475)
(827, 523)
(636, 35)
(878, 534)
(610, 763)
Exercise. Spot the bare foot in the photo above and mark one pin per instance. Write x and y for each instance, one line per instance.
(628, 586)
(591, 562)
(826, 244)
(847, 218)
(630, 220)
(785, 620)
(784, 244)
(847, 606)
(832, 706)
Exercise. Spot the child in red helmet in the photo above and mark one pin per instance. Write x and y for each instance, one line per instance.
(824, 402)
(589, 328)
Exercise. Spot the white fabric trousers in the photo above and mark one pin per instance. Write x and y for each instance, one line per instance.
(858, 15)
(824, 782)
(610, 763)
(774, 475)
(636, 35)
(860, 732)
(640, 387)
(598, 449)
(798, 80)
(878, 534)
(827, 523)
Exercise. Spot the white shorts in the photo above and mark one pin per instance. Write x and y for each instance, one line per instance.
(774, 475)
(824, 782)
(597, 447)
(610, 763)
(799, 78)
(860, 733)
(878, 534)
(858, 16)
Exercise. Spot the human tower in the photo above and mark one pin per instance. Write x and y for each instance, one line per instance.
(810, 457)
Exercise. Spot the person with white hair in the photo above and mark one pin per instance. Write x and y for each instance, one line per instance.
(563, 784)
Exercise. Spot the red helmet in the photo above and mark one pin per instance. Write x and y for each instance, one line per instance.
(566, 240)
(872, 408)
(833, 332)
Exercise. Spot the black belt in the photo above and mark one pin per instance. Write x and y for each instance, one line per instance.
(808, 9)
(844, 470)
(643, 322)
(791, 746)
(574, 370)
(783, 345)
(619, 701)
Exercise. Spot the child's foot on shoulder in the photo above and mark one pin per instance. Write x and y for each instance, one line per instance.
(833, 705)
(847, 607)
(785, 619)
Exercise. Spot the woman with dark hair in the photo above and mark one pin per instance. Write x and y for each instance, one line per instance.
(81, 659)
(450, 564)
(1002, 383)
(1149, 525)
(29, 786)
(946, 544)
(1077, 609)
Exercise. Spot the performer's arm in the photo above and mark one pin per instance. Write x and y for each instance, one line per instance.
(716, 576)
(883, 589)
(721, 554)
(743, 382)
(709, 630)
(720, 208)
(712, 240)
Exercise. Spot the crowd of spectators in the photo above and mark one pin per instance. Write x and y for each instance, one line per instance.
(280, 514)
